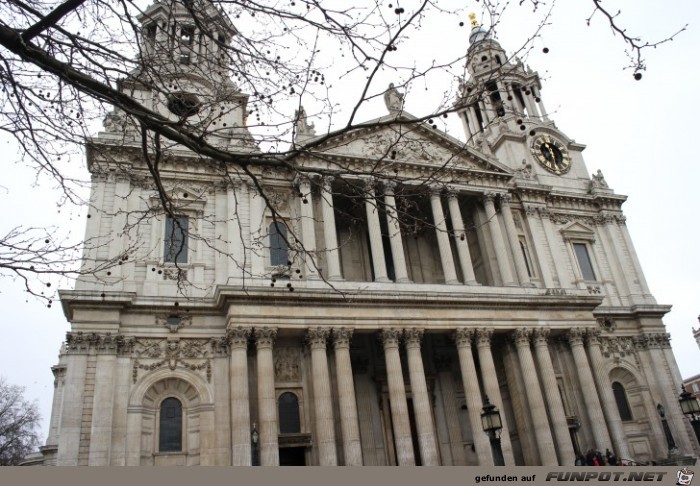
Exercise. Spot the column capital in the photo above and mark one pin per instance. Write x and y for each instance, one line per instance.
(303, 181)
(489, 197)
(369, 183)
(451, 192)
(238, 336)
(463, 337)
(436, 189)
(483, 337)
(265, 336)
(390, 338)
(521, 336)
(389, 187)
(317, 337)
(505, 198)
(593, 337)
(413, 337)
(541, 334)
(327, 182)
(342, 337)
(576, 336)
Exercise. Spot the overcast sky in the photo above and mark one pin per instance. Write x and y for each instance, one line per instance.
(641, 134)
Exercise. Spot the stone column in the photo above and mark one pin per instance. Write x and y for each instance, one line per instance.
(531, 108)
(465, 258)
(449, 430)
(330, 236)
(422, 408)
(557, 415)
(514, 241)
(538, 238)
(492, 389)
(397, 396)
(588, 390)
(240, 401)
(605, 392)
(267, 401)
(59, 375)
(375, 234)
(235, 195)
(257, 232)
(497, 240)
(470, 381)
(323, 403)
(72, 413)
(669, 391)
(540, 104)
(349, 423)
(103, 404)
(538, 412)
(443, 239)
(554, 245)
(308, 232)
(395, 239)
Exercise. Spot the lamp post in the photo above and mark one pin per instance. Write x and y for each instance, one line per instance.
(255, 446)
(691, 408)
(492, 425)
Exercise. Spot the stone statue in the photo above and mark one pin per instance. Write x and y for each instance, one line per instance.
(598, 181)
(301, 125)
(393, 100)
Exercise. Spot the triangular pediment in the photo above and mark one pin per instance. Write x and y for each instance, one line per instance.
(406, 141)
(577, 230)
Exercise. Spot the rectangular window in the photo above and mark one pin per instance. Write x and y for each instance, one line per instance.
(176, 231)
(584, 261)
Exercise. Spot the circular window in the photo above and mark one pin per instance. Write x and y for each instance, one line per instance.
(183, 104)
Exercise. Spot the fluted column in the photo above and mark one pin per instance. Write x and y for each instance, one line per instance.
(308, 223)
(492, 388)
(588, 390)
(349, 423)
(330, 236)
(397, 397)
(375, 234)
(565, 449)
(323, 403)
(497, 240)
(554, 243)
(395, 239)
(443, 239)
(465, 258)
(538, 238)
(470, 381)
(538, 412)
(514, 241)
(612, 415)
(240, 400)
(422, 408)
(267, 402)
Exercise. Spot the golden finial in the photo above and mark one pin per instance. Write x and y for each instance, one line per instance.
(472, 19)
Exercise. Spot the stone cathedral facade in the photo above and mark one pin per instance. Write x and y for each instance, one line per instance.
(342, 316)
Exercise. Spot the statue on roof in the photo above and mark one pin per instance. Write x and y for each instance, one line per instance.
(393, 100)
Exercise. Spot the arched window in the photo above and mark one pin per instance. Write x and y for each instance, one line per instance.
(288, 405)
(623, 406)
(170, 439)
(279, 249)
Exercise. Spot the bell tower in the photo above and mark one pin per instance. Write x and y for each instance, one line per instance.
(502, 112)
(183, 71)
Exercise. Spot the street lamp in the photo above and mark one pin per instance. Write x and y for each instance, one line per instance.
(691, 408)
(492, 425)
(255, 443)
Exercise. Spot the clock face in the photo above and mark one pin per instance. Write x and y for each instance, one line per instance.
(551, 154)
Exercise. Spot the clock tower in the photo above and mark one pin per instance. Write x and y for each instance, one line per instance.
(502, 113)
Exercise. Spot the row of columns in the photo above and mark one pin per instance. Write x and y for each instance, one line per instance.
(533, 107)
(550, 429)
(396, 239)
